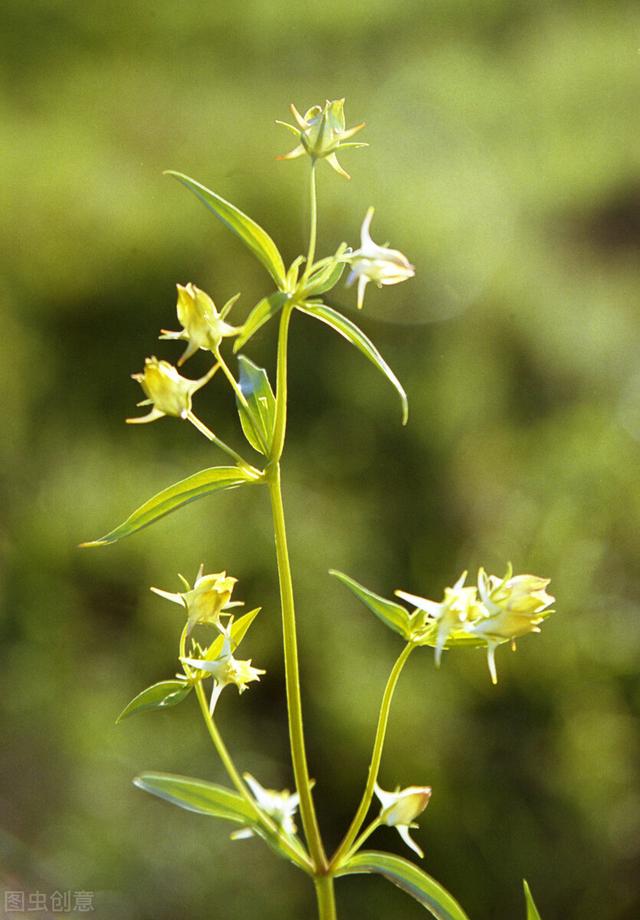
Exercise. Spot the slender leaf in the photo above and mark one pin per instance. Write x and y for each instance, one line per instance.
(356, 336)
(261, 314)
(324, 279)
(392, 615)
(259, 415)
(215, 479)
(532, 910)
(414, 881)
(252, 235)
(159, 696)
(198, 795)
(238, 632)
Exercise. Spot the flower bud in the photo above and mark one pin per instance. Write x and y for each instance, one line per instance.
(209, 597)
(321, 133)
(202, 325)
(281, 806)
(401, 808)
(376, 263)
(168, 392)
(458, 606)
(511, 607)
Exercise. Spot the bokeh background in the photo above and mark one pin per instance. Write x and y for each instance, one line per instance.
(505, 162)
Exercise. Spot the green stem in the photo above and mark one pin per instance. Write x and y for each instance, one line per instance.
(208, 433)
(363, 836)
(232, 380)
(313, 222)
(376, 757)
(326, 897)
(292, 677)
(280, 425)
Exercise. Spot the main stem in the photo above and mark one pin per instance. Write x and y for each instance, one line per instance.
(292, 677)
(376, 757)
(326, 897)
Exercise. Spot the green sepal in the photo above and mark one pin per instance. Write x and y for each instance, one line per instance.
(199, 796)
(259, 415)
(215, 479)
(532, 910)
(159, 696)
(238, 632)
(356, 336)
(392, 615)
(410, 879)
(252, 235)
(263, 311)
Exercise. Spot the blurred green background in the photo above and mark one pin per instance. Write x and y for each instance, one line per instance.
(505, 162)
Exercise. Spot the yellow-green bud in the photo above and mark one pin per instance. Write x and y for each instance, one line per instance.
(322, 132)
(206, 600)
(401, 808)
(202, 325)
(168, 392)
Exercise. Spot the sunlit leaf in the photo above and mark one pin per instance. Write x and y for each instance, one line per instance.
(258, 416)
(252, 235)
(405, 875)
(261, 314)
(357, 337)
(392, 615)
(215, 479)
(532, 910)
(324, 279)
(159, 696)
(238, 632)
(198, 795)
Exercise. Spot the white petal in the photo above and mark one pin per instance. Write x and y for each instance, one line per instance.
(403, 830)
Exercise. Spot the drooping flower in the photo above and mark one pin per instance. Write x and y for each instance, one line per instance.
(511, 607)
(322, 132)
(401, 808)
(168, 392)
(225, 669)
(281, 806)
(458, 606)
(202, 325)
(209, 597)
(376, 263)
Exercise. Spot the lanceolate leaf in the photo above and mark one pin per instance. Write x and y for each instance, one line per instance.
(324, 279)
(392, 615)
(357, 337)
(261, 314)
(532, 910)
(252, 235)
(216, 479)
(414, 881)
(159, 696)
(258, 416)
(238, 632)
(199, 796)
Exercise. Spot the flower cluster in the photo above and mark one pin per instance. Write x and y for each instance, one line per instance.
(497, 610)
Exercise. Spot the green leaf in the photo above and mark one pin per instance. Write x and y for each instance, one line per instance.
(238, 632)
(261, 314)
(159, 696)
(252, 235)
(259, 415)
(405, 875)
(532, 910)
(324, 279)
(392, 615)
(199, 796)
(215, 479)
(357, 337)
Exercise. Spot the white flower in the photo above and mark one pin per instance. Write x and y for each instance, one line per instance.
(202, 325)
(225, 669)
(206, 600)
(511, 607)
(400, 808)
(281, 806)
(168, 392)
(376, 263)
(457, 607)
